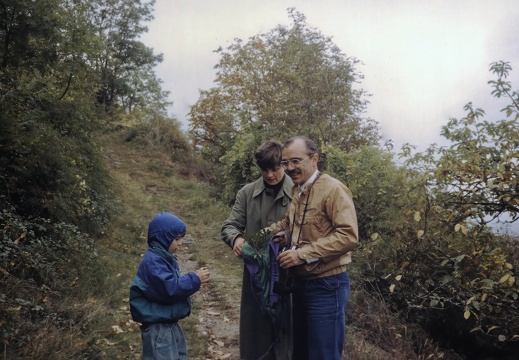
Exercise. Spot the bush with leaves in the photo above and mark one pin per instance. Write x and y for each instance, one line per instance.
(450, 270)
(40, 263)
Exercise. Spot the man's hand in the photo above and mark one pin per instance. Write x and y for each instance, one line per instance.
(280, 238)
(289, 258)
(238, 243)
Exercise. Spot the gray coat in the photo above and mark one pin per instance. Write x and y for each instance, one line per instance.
(254, 210)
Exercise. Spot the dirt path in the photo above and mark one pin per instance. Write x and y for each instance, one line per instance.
(218, 320)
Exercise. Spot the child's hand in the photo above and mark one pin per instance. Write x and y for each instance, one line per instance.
(203, 274)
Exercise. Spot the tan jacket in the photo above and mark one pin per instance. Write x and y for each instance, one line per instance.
(329, 231)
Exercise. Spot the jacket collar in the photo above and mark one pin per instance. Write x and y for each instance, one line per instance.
(259, 187)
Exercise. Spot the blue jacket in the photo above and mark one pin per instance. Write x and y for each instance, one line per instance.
(159, 293)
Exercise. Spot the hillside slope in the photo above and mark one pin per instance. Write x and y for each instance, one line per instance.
(148, 182)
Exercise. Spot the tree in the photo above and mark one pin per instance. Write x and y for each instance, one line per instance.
(50, 164)
(289, 81)
(123, 63)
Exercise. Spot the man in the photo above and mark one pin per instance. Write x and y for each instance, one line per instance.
(321, 226)
(258, 205)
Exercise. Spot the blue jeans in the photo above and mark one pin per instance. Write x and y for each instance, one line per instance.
(163, 341)
(319, 308)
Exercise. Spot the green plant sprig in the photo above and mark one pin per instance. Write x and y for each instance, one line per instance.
(258, 240)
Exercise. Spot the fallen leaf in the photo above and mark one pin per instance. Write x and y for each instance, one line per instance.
(134, 327)
(116, 329)
(219, 343)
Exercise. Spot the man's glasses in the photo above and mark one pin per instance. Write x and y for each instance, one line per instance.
(295, 161)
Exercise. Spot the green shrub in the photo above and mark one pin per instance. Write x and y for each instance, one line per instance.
(46, 270)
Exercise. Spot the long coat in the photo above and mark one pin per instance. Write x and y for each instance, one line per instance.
(254, 210)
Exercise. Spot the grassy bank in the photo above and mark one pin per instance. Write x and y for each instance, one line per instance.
(147, 182)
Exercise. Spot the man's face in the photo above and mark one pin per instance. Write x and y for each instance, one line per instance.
(272, 176)
(301, 172)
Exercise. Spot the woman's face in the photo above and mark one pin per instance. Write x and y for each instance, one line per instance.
(272, 176)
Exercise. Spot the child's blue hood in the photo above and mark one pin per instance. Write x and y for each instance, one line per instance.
(164, 228)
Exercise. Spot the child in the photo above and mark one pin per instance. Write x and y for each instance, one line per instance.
(159, 295)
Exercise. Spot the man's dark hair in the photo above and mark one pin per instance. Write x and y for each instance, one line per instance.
(268, 155)
(310, 145)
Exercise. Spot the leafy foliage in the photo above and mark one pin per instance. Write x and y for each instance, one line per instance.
(445, 266)
(258, 240)
(239, 165)
(59, 61)
(378, 186)
(39, 260)
(289, 81)
(123, 63)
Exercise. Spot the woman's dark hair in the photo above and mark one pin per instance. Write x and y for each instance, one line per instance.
(268, 155)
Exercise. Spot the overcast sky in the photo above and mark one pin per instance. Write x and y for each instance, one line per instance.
(422, 60)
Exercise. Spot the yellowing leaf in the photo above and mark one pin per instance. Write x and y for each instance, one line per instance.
(22, 235)
(509, 266)
(466, 314)
(419, 233)
(219, 343)
(374, 236)
(464, 229)
(491, 328)
(116, 329)
(511, 280)
(457, 227)
(417, 216)
(398, 277)
(484, 297)
(504, 278)
(392, 288)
